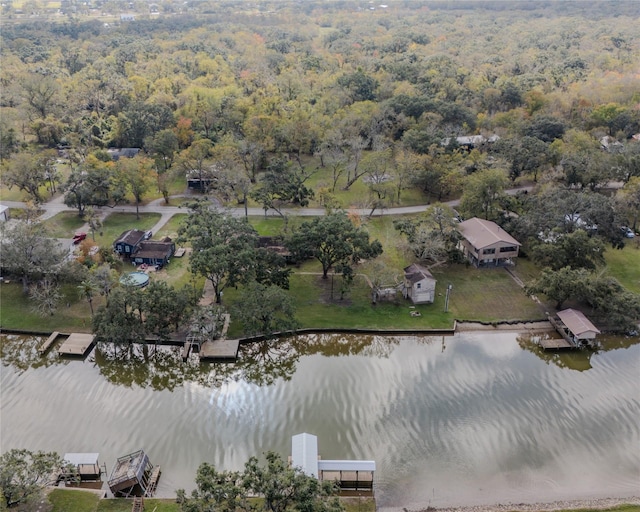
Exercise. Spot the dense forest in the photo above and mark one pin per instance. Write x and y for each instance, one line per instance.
(299, 103)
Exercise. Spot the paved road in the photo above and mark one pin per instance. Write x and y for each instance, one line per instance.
(57, 205)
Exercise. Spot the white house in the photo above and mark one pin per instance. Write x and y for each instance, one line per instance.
(419, 284)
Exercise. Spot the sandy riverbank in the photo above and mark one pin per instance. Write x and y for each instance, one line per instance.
(593, 504)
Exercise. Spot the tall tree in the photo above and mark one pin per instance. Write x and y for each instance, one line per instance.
(333, 240)
(283, 184)
(28, 253)
(265, 309)
(483, 192)
(24, 475)
(139, 176)
(223, 246)
(282, 488)
(29, 172)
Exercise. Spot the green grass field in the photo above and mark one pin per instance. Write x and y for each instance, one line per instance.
(624, 265)
(63, 225)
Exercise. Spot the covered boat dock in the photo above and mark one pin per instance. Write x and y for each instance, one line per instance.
(575, 328)
(84, 466)
(351, 475)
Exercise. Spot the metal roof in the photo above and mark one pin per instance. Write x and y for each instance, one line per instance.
(304, 453)
(483, 233)
(347, 465)
(79, 459)
(576, 322)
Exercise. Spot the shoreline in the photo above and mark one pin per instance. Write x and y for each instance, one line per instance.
(553, 506)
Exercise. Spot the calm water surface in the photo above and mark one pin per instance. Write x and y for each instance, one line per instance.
(476, 418)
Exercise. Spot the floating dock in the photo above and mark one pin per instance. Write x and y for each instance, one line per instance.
(219, 349)
(47, 344)
(77, 344)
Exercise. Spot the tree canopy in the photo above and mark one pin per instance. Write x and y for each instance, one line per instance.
(334, 240)
(282, 488)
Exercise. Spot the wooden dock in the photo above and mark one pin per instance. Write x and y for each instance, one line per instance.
(77, 344)
(47, 344)
(153, 482)
(558, 344)
(555, 344)
(219, 349)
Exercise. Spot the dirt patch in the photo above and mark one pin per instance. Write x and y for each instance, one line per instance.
(330, 291)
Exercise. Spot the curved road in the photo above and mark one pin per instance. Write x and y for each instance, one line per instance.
(56, 205)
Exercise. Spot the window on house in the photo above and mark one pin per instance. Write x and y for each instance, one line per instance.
(127, 248)
(509, 248)
(489, 251)
(419, 285)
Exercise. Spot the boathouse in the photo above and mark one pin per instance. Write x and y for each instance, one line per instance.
(133, 475)
(351, 475)
(577, 327)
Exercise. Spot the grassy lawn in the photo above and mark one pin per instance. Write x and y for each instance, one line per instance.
(170, 229)
(624, 265)
(488, 294)
(63, 225)
(64, 500)
(118, 222)
(16, 311)
(67, 500)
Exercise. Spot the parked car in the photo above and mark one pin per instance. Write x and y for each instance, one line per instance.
(627, 232)
(79, 237)
(148, 234)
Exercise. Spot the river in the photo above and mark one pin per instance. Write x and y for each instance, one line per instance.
(476, 418)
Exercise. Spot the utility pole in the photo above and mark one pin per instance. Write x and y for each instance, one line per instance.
(446, 300)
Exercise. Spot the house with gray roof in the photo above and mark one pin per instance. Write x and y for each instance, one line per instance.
(419, 284)
(485, 244)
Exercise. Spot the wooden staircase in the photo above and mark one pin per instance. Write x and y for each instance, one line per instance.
(138, 504)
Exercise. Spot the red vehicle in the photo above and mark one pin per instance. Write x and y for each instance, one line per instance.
(79, 237)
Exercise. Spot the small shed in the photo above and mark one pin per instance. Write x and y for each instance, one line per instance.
(419, 284)
(127, 243)
(578, 326)
(132, 475)
(4, 213)
(82, 465)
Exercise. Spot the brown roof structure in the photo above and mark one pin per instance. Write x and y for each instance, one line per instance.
(130, 237)
(154, 250)
(483, 233)
(415, 273)
(577, 323)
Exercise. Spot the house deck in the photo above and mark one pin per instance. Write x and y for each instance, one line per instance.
(219, 349)
(77, 344)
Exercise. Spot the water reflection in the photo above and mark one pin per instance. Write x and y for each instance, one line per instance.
(469, 419)
(21, 352)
